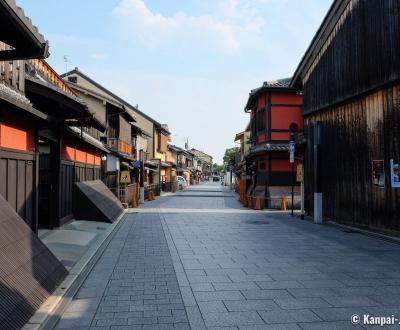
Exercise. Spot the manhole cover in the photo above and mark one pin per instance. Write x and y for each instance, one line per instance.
(263, 222)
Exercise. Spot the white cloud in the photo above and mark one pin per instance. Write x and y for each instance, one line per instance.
(223, 30)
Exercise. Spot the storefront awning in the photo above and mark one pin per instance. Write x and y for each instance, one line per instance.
(88, 138)
(127, 165)
(151, 169)
(165, 165)
(151, 164)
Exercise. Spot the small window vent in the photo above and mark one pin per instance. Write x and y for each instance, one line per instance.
(73, 79)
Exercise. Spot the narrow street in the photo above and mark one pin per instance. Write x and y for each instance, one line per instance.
(199, 260)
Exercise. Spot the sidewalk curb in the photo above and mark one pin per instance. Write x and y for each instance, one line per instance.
(48, 315)
(369, 233)
(384, 237)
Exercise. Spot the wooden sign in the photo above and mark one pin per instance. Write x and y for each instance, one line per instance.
(125, 177)
(300, 173)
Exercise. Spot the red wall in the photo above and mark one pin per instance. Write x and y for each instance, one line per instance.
(17, 134)
(75, 150)
(286, 108)
(278, 165)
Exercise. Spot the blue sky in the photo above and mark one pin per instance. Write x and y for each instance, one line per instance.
(191, 63)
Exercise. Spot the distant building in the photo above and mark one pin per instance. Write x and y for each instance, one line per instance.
(275, 112)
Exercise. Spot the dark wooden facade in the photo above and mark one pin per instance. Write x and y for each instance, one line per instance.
(29, 272)
(350, 80)
(273, 108)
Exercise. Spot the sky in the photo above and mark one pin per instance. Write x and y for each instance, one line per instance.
(190, 63)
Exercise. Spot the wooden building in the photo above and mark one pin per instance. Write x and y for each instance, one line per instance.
(184, 163)
(202, 164)
(240, 167)
(67, 154)
(350, 80)
(121, 134)
(275, 111)
(29, 272)
(162, 139)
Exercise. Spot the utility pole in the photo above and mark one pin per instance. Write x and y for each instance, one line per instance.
(141, 175)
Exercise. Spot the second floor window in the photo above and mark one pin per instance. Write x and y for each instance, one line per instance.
(261, 119)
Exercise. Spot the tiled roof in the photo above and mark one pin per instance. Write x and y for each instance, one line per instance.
(269, 147)
(280, 83)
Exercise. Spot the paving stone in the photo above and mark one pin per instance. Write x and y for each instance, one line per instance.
(287, 326)
(279, 285)
(301, 303)
(232, 318)
(291, 316)
(218, 295)
(202, 287)
(312, 292)
(213, 306)
(359, 301)
(265, 294)
(250, 305)
(235, 286)
(340, 325)
(338, 314)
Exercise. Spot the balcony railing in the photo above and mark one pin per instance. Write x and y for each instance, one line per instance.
(120, 146)
(12, 72)
(47, 73)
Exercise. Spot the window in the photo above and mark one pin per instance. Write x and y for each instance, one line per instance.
(261, 119)
(262, 165)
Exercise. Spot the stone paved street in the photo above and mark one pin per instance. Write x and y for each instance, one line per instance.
(200, 260)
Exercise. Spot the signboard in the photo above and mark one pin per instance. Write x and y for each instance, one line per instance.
(300, 173)
(125, 177)
(292, 149)
(136, 164)
(378, 173)
(395, 173)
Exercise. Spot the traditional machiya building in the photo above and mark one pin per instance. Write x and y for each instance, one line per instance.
(67, 153)
(129, 133)
(350, 80)
(275, 118)
(172, 159)
(240, 168)
(203, 166)
(29, 272)
(162, 138)
(184, 165)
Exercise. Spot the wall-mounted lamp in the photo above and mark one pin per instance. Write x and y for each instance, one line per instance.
(104, 158)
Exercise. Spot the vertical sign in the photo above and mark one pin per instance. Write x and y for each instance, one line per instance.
(395, 173)
(300, 173)
(292, 149)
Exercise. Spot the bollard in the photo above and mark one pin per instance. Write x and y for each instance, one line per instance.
(257, 205)
(283, 203)
(249, 202)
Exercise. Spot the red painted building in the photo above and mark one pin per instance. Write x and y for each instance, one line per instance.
(276, 117)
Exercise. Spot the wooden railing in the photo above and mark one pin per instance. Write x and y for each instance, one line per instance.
(127, 192)
(121, 146)
(47, 73)
(12, 73)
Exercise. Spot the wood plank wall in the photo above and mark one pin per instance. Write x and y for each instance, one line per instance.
(363, 54)
(354, 134)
